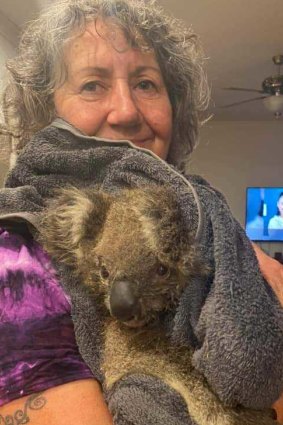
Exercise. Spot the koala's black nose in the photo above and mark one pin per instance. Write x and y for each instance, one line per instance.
(124, 303)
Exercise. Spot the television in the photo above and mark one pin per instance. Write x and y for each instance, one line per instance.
(264, 214)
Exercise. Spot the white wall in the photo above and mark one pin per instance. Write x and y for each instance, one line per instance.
(234, 155)
(6, 50)
(8, 40)
(9, 34)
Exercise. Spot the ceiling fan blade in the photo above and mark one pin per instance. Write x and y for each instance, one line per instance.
(242, 89)
(243, 101)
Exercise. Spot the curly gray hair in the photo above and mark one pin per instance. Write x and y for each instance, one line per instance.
(39, 68)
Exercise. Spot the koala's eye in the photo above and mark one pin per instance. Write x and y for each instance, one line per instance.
(162, 270)
(104, 273)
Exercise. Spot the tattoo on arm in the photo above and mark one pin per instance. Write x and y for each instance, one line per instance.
(34, 402)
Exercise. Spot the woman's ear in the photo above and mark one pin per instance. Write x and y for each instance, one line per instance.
(72, 217)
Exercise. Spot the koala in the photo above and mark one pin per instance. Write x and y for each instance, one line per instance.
(136, 256)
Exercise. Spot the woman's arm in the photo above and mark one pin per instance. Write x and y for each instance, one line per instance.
(272, 270)
(79, 402)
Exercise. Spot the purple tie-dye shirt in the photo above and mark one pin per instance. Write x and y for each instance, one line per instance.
(37, 341)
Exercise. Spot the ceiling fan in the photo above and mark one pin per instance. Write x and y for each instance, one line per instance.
(272, 89)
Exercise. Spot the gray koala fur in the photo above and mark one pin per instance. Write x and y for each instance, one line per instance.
(133, 254)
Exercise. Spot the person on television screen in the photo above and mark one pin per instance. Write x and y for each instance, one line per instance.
(276, 222)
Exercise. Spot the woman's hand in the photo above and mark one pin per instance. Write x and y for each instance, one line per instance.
(272, 270)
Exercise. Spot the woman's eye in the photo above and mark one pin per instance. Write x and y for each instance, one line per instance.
(162, 270)
(104, 273)
(93, 86)
(147, 85)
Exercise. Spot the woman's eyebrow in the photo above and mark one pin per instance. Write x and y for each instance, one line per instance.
(98, 70)
(144, 68)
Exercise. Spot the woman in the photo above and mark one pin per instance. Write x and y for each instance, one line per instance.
(113, 69)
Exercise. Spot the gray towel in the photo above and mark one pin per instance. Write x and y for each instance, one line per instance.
(233, 321)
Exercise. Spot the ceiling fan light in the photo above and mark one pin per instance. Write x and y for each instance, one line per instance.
(274, 103)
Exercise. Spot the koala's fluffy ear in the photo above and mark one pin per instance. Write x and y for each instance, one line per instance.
(162, 222)
(72, 218)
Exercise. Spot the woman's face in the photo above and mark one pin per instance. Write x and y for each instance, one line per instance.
(114, 91)
(280, 205)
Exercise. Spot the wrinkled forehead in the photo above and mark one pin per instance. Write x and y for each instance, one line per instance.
(97, 30)
(110, 32)
(118, 36)
(99, 41)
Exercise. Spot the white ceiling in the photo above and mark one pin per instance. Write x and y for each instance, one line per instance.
(239, 38)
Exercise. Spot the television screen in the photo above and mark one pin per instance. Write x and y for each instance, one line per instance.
(264, 213)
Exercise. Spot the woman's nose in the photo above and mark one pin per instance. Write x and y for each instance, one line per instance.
(123, 108)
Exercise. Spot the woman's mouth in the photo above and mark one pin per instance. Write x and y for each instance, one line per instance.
(141, 142)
